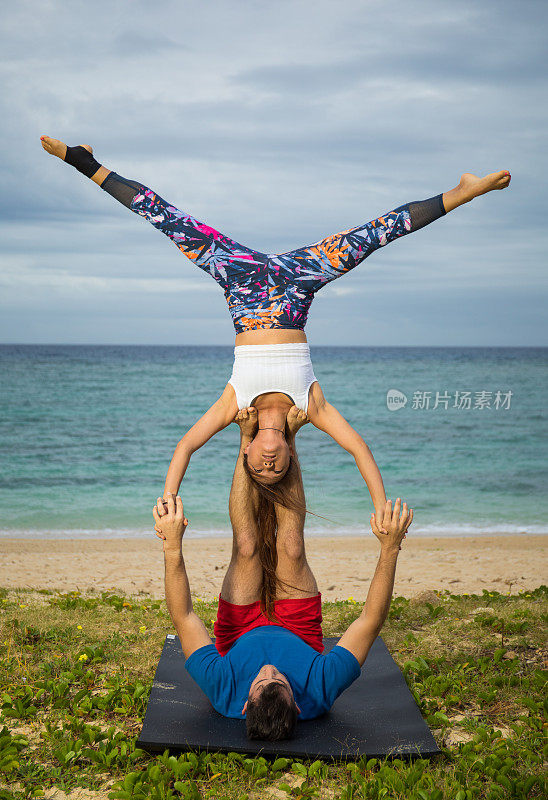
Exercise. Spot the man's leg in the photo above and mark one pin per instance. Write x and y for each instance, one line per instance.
(295, 577)
(243, 580)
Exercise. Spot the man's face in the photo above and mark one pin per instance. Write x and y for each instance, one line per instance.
(266, 675)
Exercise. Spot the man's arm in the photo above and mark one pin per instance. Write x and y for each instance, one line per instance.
(170, 526)
(326, 417)
(219, 416)
(362, 632)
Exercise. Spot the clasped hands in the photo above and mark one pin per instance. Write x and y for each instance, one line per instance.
(170, 522)
(390, 526)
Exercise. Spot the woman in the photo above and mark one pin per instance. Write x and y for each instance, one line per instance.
(269, 296)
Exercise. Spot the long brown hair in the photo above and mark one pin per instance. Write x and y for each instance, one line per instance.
(285, 493)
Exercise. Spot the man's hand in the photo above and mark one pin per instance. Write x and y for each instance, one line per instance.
(393, 522)
(361, 633)
(170, 525)
(248, 420)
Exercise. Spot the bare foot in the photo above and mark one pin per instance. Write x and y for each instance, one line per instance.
(472, 186)
(248, 421)
(296, 418)
(57, 148)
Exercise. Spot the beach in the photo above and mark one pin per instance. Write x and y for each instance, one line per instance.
(343, 566)
(95, 461)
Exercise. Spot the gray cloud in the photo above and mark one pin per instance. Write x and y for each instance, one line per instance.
(134, 42)
(277, 124)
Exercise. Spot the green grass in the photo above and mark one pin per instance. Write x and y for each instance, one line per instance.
(76, 673)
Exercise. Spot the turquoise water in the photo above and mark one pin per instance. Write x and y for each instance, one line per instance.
(87, 432)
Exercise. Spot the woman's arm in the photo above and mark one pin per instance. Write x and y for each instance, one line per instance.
(326, 417)
(214, 420)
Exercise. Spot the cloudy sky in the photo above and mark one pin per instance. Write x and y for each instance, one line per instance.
(277, 123)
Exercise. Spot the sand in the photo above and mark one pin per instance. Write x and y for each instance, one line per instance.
(343, 566)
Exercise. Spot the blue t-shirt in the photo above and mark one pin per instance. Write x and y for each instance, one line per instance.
(317, 680)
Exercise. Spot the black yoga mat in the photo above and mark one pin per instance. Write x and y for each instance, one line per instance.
(376, 716)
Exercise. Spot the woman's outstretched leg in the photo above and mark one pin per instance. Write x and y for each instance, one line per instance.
(312, 267)
(218, 255)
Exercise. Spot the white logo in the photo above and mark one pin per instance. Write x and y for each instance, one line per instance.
(395, 400)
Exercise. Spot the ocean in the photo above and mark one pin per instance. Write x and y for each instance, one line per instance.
(87, 433)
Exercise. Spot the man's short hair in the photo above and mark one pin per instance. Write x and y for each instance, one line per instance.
(272, 715)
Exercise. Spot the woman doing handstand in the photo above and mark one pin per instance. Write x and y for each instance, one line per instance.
(269, 296)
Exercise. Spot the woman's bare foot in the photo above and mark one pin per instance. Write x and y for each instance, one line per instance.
(248, 420)
(57, 148)
(471, 186)
(296, 418)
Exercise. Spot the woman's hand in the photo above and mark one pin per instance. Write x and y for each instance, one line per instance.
(170, 523)
(394, 523)
(379, 516)
(248, 420)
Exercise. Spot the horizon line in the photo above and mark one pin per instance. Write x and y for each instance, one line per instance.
(231, 346)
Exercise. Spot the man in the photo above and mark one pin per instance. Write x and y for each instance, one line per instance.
(272, 671)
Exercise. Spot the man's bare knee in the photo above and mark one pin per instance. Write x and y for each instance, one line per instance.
(291, 546)
(245, 546)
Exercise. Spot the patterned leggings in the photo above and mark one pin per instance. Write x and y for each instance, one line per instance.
(270, 290)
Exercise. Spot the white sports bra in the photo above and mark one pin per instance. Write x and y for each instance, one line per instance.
(262, 368)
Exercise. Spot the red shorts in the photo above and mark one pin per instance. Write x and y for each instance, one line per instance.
(302, 616)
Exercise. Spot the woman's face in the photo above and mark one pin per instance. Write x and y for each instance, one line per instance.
(268, 456)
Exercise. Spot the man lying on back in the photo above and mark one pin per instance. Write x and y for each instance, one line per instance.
(272, 671)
